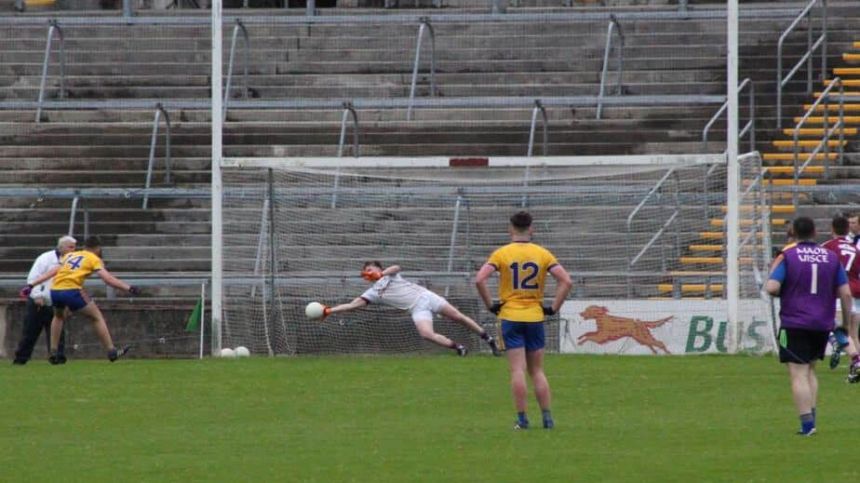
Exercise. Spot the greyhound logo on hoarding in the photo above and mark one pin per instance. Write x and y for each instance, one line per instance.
(612, 327)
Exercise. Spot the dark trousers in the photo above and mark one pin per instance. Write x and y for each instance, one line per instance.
(38, 317)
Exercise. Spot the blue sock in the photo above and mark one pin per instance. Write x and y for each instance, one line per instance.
(522, 418)
(547, 415)
(807, 423)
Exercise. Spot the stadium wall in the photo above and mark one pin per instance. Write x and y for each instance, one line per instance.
(154, 331)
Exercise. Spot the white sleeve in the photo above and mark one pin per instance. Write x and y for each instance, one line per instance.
(45, 262)
(370, 295)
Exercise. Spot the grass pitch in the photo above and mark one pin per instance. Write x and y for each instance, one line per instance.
(421, 418)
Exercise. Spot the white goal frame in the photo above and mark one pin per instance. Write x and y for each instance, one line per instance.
(733, 175)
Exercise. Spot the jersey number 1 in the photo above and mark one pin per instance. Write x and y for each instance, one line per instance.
(813, 286)
(528, 271)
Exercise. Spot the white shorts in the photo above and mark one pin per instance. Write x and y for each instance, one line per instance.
(427, 305)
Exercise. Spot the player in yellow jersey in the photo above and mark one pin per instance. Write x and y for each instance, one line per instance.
(67, 291)
(522, 267)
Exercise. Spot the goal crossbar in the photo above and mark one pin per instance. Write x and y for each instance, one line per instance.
(474, 161)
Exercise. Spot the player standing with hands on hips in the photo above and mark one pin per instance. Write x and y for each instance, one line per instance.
(522, 267)
(808, 279)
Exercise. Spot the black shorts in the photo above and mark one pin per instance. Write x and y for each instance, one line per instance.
(801, 346)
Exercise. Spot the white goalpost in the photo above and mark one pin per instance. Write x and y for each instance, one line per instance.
(217, 192)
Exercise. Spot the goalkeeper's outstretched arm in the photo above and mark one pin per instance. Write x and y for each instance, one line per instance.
(357, 303)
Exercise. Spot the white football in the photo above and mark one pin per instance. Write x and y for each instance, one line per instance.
(228, 353)
(314, 310)
(242, 351)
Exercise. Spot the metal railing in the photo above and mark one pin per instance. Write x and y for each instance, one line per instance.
(826, 134)
(159, 113)
(53, 26)
(614, 27)
(669, 222)
(538, 108)
(348, 110)
(239, 27)
(452, 244)
(749, 127)
(811, 47)
(425, 25)
(76, 201)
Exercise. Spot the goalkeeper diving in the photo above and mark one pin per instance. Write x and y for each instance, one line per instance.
(390, 288)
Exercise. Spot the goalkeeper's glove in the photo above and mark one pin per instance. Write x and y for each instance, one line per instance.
(548, 310)
(25, 291)
(133, 290)
(371, 276)
(495, 308)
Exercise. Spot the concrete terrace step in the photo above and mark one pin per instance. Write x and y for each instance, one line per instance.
(376, 91)
(368, 136)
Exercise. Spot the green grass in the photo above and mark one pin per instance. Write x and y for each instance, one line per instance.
(431, 418)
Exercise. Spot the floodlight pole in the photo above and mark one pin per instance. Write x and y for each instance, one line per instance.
(733, 178)
(217, 187)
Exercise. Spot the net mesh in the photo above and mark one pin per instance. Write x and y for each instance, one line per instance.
(295, 234)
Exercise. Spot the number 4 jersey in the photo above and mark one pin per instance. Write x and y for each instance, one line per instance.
(848, 257)
(522, 268)
(75, 267)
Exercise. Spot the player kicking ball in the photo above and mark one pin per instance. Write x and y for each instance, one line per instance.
(390, 288)
(68, 295)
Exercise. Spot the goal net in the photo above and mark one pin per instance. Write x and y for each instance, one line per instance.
(299, 230)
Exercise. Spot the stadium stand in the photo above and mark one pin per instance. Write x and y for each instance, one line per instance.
(109, 147)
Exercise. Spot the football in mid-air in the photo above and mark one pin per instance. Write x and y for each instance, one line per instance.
(314, 310)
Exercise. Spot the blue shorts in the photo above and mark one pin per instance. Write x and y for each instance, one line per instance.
(523, 334)
(73, 299)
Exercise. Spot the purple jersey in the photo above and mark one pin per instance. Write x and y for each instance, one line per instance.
(810, 276)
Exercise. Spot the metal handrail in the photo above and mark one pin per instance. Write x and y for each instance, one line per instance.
(614, 26)
(159, 112)
(825, 137)
(538, 108)
(236, 29)
(671, 173)
(648, 196)
(348, 110)
(72, 212)
(807, 56)
(453, 240)
(53, 26)
(749, 127)
(425, 24)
